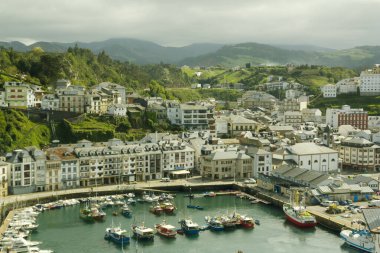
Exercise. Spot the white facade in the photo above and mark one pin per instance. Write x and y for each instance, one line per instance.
(50, 102)
(313, 157)
(118, 110)
(221, 125)
(329, 91)
(3, 103)
(347, 86)
(311, 115)
(262, 162)
(292, 118)
(70, 173)
(370, 81)
(373, 121)
(21, 174)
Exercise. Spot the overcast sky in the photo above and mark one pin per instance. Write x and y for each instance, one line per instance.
(328, 23)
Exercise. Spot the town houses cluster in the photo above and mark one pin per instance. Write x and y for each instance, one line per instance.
(281, 143)
(367, 84)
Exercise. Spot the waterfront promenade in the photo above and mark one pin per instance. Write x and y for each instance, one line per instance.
(122, 188)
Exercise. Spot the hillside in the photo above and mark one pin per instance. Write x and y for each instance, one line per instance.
(311, 76)
(125, 49)
(17, 131)
(211, 54)
(83, 67)
(240, 54)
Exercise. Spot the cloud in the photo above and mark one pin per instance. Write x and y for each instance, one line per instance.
(337, 23)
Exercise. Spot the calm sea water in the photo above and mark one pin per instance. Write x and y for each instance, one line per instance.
(63, 231)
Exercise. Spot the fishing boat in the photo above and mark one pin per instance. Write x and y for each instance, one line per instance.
(247, 222)
(97, 214)
(189, 227)
(214, 223)
(168, 207)
(360, 239)
(156, 209)
(229, 222)
(142, 232)
(209, 194)
(86, 215)
(296, 212)
(126, 212)
(166, 230)
(117, 235)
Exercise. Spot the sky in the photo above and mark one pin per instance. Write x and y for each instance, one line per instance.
(327, 23)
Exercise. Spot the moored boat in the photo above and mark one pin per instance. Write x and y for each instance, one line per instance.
(142, 232)
(156, 209)
(361, 239)
(214, 223)
(168, 207)
(189, 227)
(117, 235)
(166, 230)
(126, 212)
(296, 213)
(86, 215)
(247, 222)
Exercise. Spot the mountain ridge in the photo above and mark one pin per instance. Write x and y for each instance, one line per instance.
(212, 54)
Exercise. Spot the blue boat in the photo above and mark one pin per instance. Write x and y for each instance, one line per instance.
(126, 212)
(117, 235)
(189, 227)
(195, 207)
(214, 224)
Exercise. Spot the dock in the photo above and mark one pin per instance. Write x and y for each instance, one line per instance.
(251, 198)
(5, 224)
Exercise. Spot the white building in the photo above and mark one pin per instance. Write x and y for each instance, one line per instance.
(190, 115)
(118, 110)
(4, 167)
(50, 102)
(370, 81)
(349, 85)
(329, 91)
(292, 118)
(313, 157)
(262, 161)
(21, 174)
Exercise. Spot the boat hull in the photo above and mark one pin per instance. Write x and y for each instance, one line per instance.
(143, 237)
(345, 236)
(299, 223)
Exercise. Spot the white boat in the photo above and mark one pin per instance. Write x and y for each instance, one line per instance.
(360, 239)
(143, 233)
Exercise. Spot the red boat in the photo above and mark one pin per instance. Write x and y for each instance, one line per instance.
(168, 207)
(296, 213)
(166, 230)
(247, 222)
(156, 209)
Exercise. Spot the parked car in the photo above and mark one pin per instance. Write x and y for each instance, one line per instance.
(327, 203)
(250, 181)
(165, 179)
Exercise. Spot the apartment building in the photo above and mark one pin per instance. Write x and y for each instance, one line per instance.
(3, 178)
(221, 164)
(293, 118)
(191, 115)
(370, 81)
(71, 99)
(358, 154)
(251, 99)
(19, 95)
(50, 102)
(261, 160)
(347, 116)
(329, 91)
(349, 85)
(21, 174)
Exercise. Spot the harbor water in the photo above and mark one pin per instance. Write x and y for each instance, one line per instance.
(64, 232)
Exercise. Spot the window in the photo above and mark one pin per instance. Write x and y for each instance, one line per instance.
(333, 160)
(315, 161)
(324, 160)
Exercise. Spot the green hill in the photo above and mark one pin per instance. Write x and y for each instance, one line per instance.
(257, 54)
(17, 131)
(83, 67)
(125, 49)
